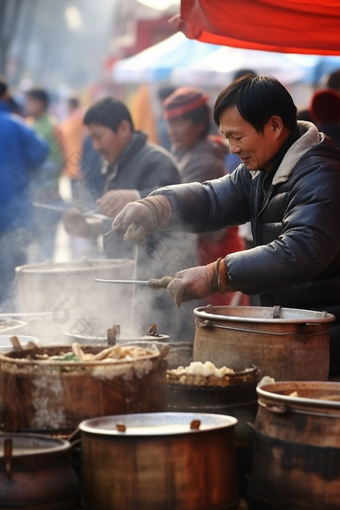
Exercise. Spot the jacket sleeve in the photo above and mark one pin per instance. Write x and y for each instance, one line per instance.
(212, 205)
(35, 149)
(161, 171)
(309, 240)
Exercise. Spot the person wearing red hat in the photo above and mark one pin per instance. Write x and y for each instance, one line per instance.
(324, 110)
(201, 157)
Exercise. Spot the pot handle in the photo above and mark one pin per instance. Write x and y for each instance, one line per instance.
(8, 449)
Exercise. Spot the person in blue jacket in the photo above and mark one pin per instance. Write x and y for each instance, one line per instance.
(21, 152)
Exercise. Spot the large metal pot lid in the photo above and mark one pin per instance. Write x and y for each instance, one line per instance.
(74, 265)
(32, 444)
(119, 339)
(264, 314)
(7, 323)
(312, 393)
(156, 424)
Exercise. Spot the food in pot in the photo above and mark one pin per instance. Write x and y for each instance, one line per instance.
(200, 374)
(111, 354)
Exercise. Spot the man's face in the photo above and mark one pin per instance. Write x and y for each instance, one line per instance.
(256, 150)
(183, 133)
(105, 141)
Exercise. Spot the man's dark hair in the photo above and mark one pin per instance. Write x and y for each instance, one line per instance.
(39, 95)
(258, 98)
(200, 116)
(109, 112)
(3, 86)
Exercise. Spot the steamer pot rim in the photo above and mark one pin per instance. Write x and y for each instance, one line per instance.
(40, 269)
(310, 317)
(63, 445)
(304, 402)
(223, 421)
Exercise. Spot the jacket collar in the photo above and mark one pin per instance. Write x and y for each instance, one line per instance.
(309, 137)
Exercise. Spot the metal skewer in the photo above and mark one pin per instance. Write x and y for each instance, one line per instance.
(124, 282)
(88, 214)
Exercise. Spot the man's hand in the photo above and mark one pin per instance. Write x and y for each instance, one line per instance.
(142, 218)
(114, 201)
(195, 282)
(76, 225)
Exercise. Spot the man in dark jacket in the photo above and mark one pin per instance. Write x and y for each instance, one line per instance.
(287, 185)
(132, 168)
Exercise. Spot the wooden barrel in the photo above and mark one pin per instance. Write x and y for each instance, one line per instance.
(49, 396)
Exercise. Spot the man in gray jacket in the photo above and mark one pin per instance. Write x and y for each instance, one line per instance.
(287, 185)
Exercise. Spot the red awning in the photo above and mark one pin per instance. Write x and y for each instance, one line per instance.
(287, 26)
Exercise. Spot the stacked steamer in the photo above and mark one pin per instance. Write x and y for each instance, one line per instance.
(296, 449)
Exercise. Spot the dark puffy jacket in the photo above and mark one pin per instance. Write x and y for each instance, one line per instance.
(295, 224)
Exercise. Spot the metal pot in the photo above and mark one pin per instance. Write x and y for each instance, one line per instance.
(284, 343)
(36, 473)
(156, 461)
(296, 448)
(63, 289)
(9, 325)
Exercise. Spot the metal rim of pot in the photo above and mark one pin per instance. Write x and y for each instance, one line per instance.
(267, 392)
(277, 315)
(120, 340)
(61, 445)
(83, 265)
(215, 422)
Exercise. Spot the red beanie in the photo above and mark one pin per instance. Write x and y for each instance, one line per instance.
(325, 106)
(182, 101)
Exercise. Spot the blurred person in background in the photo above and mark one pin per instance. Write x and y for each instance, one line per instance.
(73, 133)
(44, 184)
(162, 126)
(333, 81)
(132, 168)
(324, 111)
(201, 157)
(21, 152)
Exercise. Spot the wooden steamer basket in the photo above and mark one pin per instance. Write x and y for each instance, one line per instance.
(157, 462)
(284, 343)
(56, 396)
(296, 447)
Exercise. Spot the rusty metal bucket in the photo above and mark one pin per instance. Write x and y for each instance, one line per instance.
(284, 343)
(296, 462)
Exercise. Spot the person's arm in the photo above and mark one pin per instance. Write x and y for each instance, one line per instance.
(210, 206)
(160, 171)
